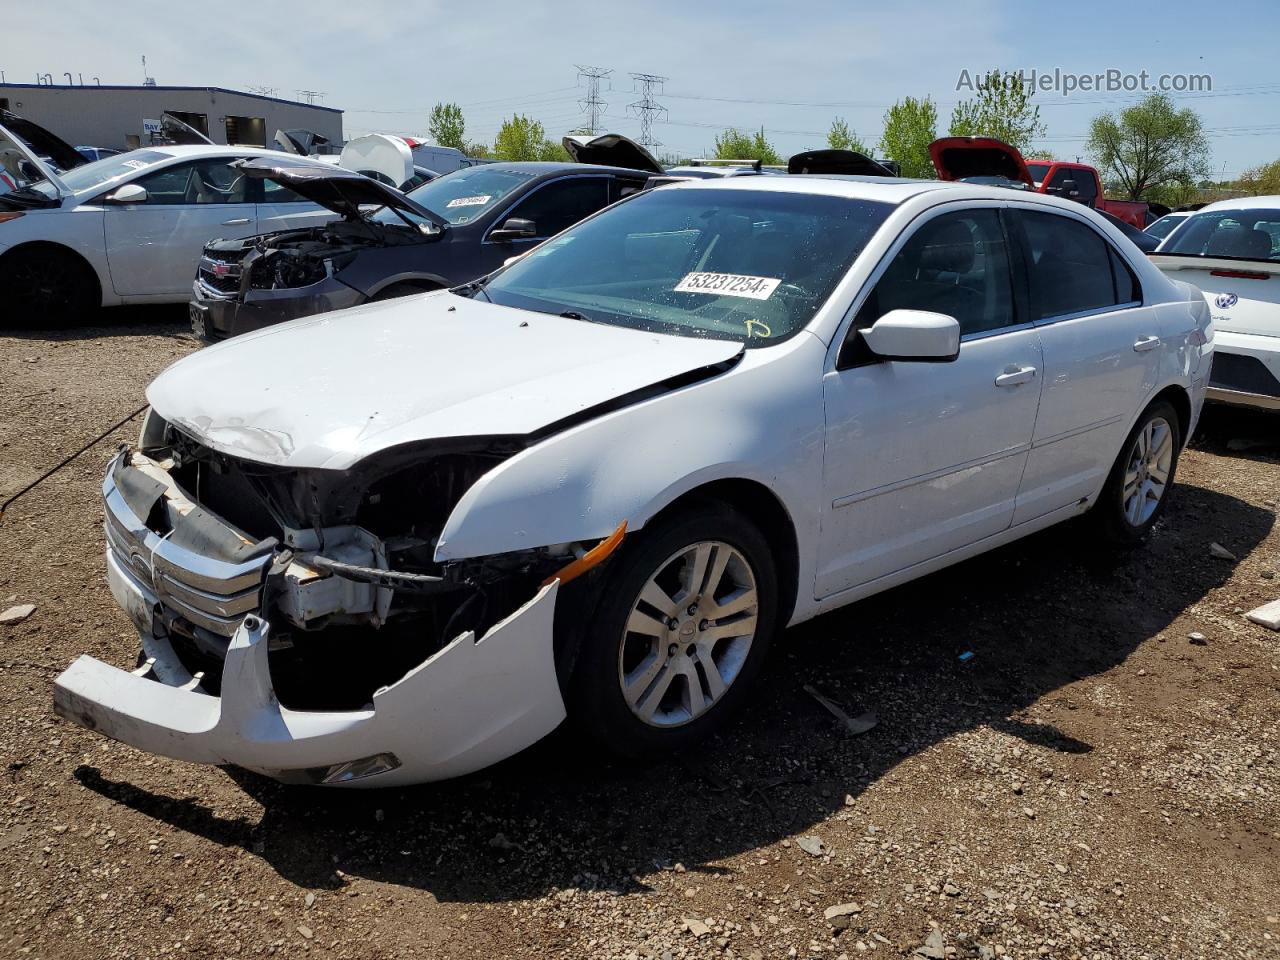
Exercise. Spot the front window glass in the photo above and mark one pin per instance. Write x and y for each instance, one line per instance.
(1244, 234)
(464, 195)
(100, 173)
(1037, 171)
(744, 265)
(202, 181)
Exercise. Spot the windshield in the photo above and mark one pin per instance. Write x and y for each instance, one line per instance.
(101, 172)
(462, 196)
(1242, 234)
(1164, 226)
(1037, 171)
(751, 266)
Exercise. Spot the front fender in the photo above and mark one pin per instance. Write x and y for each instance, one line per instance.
(760, 421)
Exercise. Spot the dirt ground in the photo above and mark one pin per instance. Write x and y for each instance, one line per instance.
(1091, 782)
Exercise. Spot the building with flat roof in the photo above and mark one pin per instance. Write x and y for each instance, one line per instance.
(124, 117)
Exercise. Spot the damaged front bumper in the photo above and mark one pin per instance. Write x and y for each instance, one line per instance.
(470, 704)
(217, 316)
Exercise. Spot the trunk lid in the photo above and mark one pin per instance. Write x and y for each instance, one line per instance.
(957, 158)
(301, 142)
(384, 158)
(337, 189)
(1243, 295)
(611, 150)
(19, 160)
(328, 391)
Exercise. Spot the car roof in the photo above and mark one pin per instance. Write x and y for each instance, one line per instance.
(545, 168)
(197, 150)
(886, 189)
(1244, 203)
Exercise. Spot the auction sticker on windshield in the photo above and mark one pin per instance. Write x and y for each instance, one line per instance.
(470, 201)
(728, 285)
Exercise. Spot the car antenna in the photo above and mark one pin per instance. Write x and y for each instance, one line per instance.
(50, 472)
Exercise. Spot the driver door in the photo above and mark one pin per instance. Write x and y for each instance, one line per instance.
(552, 206)
(153, 246)
(925, 458)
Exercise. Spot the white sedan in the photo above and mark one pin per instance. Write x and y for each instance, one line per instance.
(403, 541)
(1231, 251)
(125, 229)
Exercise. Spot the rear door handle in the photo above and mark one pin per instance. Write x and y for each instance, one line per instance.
(1014, 377)
(1146, 343)
(238, 222)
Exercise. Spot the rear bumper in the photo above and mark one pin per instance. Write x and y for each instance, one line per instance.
(225, 316)
(1246, 370)
(470, 705)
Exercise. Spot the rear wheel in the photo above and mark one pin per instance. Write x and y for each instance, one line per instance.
(680, 632)
(1138, 487)
(42, 286)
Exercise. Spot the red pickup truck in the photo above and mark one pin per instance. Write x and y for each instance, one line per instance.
(985, 159)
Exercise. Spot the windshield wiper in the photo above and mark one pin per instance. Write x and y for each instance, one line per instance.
(474, 287)
(575, 315)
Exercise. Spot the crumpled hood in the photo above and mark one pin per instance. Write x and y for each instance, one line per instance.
(328, 391)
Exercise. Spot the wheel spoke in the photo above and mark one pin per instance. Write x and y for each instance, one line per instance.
(715, 683)
(640, 679)
(1134, 507)
(656, 597)
(648, 702)
(744, 599)
(695, 571)
(695, 699)
(1159, 474)
(641, 622)
(718, 564)
(742, 627)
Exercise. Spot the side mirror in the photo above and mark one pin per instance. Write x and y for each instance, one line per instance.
(914, 335)
(129, 193)
(514, 229)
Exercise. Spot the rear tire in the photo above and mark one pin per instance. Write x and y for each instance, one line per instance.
(688, 667)
(44, 287)
(1141, 480)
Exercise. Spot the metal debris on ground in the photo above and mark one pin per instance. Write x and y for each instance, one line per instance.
(852, 726)
(1221, 552)
(1198, 638)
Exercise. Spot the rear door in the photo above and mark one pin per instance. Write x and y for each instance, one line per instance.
(553, 205)
(1102, 349)
(279, 208)
(153, 247)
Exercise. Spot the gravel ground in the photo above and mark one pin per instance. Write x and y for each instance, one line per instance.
(1091, 782)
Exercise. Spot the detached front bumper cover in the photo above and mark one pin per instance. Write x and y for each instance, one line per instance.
(470, 705)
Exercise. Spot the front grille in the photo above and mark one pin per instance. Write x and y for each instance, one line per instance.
(1232, 371)
(219, 273)
(208, 592)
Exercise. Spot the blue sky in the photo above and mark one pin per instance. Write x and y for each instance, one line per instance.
(793, 66)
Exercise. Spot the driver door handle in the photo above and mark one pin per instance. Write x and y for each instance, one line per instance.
(238, 222)
(1146, 343)
(1015, 376)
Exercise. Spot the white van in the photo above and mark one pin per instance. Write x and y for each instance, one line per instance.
(438, 158)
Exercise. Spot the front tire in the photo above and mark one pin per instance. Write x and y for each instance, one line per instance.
(44, 287)
(681, 630)
(1138, 487)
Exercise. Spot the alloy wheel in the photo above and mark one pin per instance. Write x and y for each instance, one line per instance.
(1146, 475)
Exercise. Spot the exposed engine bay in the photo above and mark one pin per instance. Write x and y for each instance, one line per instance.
(345, 565)
(297, 258)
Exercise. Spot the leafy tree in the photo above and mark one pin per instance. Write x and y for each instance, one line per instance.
(447, 127)
(519, 138)
(1002, 109)
(910, 125)
(550, 150)
(476, 149)
(1262, 180)
(736, 145)
(840, 137)
(1150, 145)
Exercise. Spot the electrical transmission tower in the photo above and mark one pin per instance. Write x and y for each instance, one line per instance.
(646, 108)
(591, 104)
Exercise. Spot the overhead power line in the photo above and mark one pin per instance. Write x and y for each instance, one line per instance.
(647, 108)
(591, 104)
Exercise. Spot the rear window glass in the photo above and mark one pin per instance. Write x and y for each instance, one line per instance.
(1241, 234)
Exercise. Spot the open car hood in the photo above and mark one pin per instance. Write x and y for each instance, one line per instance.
(21, 165)
(611, 150)
(957, 158)
(179, 133)
(837, 162)
(416, 369)
(384, 158)
(301, 142)
(333, 187)
(42, 141)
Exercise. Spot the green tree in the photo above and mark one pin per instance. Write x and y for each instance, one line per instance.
(476, 149)
(447, 127)
(519, 138)
(840, 137)
(910, 125)
(1261, 180)
(736, 145)
(1002, 109)
(1150, 146)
